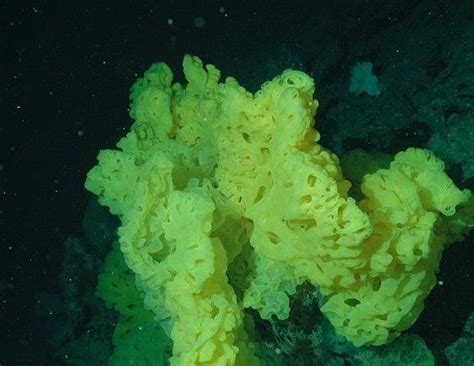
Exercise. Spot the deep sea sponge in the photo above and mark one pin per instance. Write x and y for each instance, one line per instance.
(227, 200)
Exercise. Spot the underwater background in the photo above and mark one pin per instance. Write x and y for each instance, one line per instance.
(389, 75)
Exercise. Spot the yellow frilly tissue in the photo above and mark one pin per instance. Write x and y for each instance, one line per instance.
(227, 200)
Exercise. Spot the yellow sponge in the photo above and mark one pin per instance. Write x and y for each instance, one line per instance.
(212, 181)
(406, 204)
